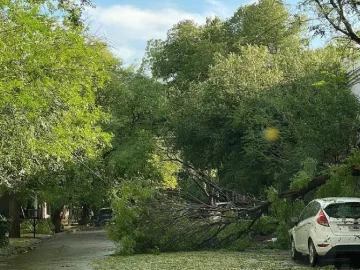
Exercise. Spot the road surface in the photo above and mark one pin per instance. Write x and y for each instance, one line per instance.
(75, 250)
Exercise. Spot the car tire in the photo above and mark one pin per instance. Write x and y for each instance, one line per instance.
(313, 256)
(295, 255)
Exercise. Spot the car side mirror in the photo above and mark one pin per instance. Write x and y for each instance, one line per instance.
(295, 220)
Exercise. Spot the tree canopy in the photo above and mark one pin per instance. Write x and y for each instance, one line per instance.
(232, 106)
(51, 73)
(253, 82)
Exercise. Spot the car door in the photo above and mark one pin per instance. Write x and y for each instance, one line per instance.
(298, 228)
(303, 227)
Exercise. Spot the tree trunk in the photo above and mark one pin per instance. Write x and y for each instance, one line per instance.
(43, 210)
(56, 218)
(300, 193)
(85, 215)
(14, 213)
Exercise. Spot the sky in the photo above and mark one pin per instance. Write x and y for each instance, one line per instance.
(127, 25)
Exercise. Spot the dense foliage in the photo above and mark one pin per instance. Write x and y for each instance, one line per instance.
(242, 104)
(51, 72)
(219, 117)
(262, 112)
(43, 226)
(50, 75)
(4, 231)
(148, 220)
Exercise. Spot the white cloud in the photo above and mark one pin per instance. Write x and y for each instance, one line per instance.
(138, 23)
(127, 28)
(218, 8)
(126, 53)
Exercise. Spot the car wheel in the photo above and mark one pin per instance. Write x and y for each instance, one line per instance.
(295, 255)
(313, 256)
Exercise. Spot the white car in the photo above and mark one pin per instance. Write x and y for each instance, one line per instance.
(327, 227)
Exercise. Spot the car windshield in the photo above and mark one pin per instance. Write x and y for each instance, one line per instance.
(343, 210)
(106, 211)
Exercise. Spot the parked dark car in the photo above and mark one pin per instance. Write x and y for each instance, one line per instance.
(104, 217)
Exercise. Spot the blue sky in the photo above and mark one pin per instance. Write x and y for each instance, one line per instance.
(128, 24)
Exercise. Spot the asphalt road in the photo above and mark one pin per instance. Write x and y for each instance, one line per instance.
(75, 250)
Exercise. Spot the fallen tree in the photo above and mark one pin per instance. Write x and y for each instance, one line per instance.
(170, 220)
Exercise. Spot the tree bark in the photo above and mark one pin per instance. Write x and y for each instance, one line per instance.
(85, 215)
(56, 218)
(43, 211)
(313, 184)
(14, 213)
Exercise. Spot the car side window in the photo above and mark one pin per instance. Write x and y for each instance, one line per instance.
(304, 213)
(310, 211)
(315, 209)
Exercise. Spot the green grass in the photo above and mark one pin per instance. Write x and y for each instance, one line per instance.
(18, 245)
(26, 240)
(21, 242)
(262, 259)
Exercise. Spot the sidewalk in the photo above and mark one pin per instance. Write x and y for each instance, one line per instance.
(73, 250)
(24, 244)
(27, 242)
